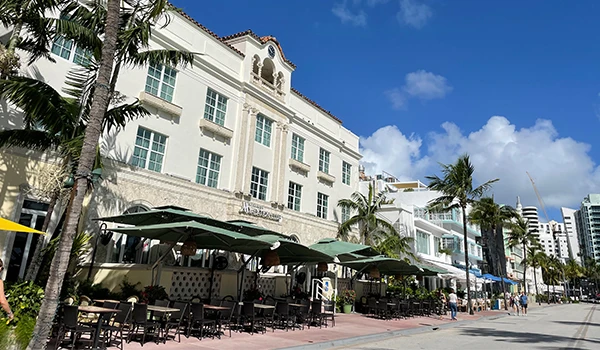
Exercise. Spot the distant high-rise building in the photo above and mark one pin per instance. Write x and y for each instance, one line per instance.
(588, 226)
(530, 213)
(553, 238)
(568, 215)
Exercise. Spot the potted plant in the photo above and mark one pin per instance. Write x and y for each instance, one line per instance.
(348, 298)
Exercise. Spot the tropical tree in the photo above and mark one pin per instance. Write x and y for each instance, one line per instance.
(573, 272)
(535, 258)
(591, 271)
(398, 247)
(457, 192)
(520, 234)
(100, 100)
(116, 35)
(491, 216)
(31, 31)
(552, 271)
(372, 229)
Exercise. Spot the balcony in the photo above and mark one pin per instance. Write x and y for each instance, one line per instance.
(216, 129)
(298, 165)
(159, 103)
(267, 86)
(325, 177)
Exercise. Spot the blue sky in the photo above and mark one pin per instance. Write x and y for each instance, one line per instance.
(420, 80)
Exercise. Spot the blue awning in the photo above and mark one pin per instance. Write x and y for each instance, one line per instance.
(471, 271)
(498, 279)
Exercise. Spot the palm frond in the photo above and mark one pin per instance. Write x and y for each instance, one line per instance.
(86, 38)
(118, 116)
(36, 140)
(172, 58)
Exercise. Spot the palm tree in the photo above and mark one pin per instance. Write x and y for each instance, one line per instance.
(490, 216)
(535, 259)
(100, 100)
(573, 272)
(397, 246)
(115, 35)
(372, 228)
(591, 272)
(30, 31)
(552, 272)
(457, 191)
(520, 234)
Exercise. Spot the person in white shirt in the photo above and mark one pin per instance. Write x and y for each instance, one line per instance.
(453, 302)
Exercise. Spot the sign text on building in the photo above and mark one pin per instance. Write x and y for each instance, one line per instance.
(257, 210)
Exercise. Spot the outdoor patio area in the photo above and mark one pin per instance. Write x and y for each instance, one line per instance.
(347, 326)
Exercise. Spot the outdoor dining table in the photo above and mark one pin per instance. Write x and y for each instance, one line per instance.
(296, 305)
(106, 301)
(216, 307)
(264, 306)
(162, 309)
(100, 311)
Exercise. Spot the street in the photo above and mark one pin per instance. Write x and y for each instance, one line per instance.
(575, 326)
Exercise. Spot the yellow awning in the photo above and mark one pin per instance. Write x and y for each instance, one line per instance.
(7, 225)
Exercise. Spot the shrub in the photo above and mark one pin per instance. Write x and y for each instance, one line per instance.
(129, 289)
(154, 293)
(348, 296)
(25, 298)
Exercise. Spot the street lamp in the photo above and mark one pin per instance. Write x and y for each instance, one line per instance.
(104, 236)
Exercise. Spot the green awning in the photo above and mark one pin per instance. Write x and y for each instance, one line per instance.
(291, 252)
(385, 265)
(344, 251)
(430, 270)
(171, 214)
(205, 236)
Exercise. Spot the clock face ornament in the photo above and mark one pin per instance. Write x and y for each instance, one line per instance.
(271, 51)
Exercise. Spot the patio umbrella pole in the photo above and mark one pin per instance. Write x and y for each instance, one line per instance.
(242, 270)
(212, 278)
(291, 279)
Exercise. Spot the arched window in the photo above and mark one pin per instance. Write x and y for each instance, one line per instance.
(255, 63)
(267, 71)
(294, 238)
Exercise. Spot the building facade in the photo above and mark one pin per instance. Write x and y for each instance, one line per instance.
(587, 219)
(553, 239)
(227, 137)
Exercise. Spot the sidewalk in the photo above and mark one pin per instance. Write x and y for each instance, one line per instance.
(348, 327)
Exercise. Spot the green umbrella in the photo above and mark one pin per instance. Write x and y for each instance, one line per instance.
(429, 270)
(170, 214)
(344, 251)
(291, 252)
(205, 236)
(385, 265)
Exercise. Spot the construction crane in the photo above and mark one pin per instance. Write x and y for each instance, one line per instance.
(537, 193)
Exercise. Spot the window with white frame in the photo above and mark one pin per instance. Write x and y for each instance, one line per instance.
(69, 51)
(297, 148)
(294, 196)
(263, 130)
(422, 242)
(437, 245)
(259, 183)
(209, 166)
(345, 214)
(324, 161)
(346, 173)
(322, 205)
(216, 107)
(149, 150)
(161, 81)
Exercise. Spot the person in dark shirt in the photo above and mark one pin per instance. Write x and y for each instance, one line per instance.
(523, 301)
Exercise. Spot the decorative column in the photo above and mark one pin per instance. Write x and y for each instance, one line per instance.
(246, 149)
(279, 148)
(283, 163)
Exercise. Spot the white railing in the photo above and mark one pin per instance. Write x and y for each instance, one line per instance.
(318, 294)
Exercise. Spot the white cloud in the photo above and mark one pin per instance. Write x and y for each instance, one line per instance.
(413, 13)
(420, 84)
(342, 11)
(426, 85)
(561, 167)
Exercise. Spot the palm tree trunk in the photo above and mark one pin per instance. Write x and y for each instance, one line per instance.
(466, 247)
(499, 249)
(548, 291)
(100, 100)
(536, 286)
(525, 268)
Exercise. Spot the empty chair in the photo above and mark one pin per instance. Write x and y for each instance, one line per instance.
(139, 320)
(120, 322)
(177, 320)
(329, 312)
(372, 307)
(283, 316)
(249, 317)
(70, 325)
(227, 316)
(316, 313)
(198, 321)
(159, 315)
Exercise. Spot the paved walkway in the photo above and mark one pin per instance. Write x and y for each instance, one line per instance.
(348, 326)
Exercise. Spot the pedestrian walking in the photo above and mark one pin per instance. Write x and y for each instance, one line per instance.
(3, 301)
(523, 301)
(511, 301)
(453, 302)
(443, 303)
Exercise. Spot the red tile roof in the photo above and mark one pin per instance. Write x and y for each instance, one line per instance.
(262, 40)
(316, 105)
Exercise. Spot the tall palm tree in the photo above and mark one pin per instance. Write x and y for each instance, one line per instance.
(552, 272)
(573, 272)
(520, 234)
(100, 100)
(490, 216)
(535, 259)
(591, 272)
(456, 187)
(372, 229)
(398, 247)
(125, 39)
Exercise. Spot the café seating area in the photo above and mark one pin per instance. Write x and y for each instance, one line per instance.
(110, 323)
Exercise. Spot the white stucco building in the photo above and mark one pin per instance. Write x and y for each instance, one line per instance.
(227, 137)
(553, 239)
(570, 222)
